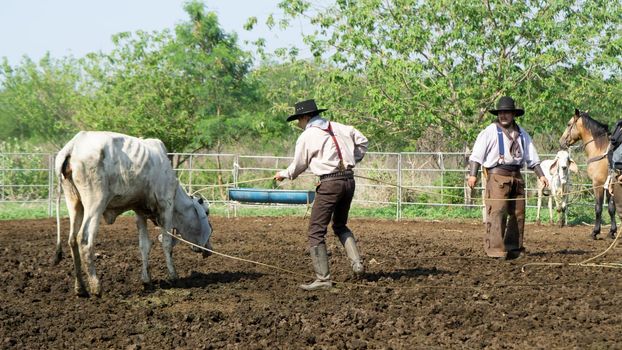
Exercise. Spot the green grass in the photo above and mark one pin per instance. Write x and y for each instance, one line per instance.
(577, 214)
(18, 211)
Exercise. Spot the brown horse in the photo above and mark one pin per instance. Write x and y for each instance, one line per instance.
(595, 138)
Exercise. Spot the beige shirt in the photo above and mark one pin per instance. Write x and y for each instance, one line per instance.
(316, 150)
(486, 149)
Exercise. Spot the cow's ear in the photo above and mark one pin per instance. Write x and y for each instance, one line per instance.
(573, 166)
(553, 168)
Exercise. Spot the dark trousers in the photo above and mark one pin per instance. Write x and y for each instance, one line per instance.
(332, 199)
(505, 219)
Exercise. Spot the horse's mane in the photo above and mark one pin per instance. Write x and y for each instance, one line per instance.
(600, 131)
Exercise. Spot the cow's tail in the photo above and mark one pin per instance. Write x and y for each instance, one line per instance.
(61, 163)
(63, 172)
(59, 250)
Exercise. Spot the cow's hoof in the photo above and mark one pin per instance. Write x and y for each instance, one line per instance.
(145, 278)
(58, 256)
(96, 290)
(172, 275)
(80, 289)
(594, 235)
(612, 234)
(81, 292)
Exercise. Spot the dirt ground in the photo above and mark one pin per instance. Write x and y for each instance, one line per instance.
(428, 286)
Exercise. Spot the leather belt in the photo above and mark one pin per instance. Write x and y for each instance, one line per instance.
(348, 174)
(505, 170)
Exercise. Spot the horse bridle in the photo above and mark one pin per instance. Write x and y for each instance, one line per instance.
(576, 119)
(591, 160)
(574, 122)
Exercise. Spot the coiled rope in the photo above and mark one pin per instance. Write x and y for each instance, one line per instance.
(360, 285)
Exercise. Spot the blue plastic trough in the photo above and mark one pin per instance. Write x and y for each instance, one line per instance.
(260, 195)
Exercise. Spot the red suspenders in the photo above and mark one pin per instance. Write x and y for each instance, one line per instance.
(329, 130)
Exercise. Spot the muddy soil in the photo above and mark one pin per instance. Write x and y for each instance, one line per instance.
(428, 285)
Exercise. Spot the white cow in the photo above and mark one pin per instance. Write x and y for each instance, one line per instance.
(556, 171)
(106, 174)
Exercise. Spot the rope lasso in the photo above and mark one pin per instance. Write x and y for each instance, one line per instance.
(584, 263)
(360, 285)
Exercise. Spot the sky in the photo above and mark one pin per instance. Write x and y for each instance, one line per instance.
(77, 27)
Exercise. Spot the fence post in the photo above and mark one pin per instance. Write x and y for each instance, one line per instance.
(236, 170)
(236, 176)
(191, 166)
(50, 183)
(2, 180)
(399, 187)
(442, 165)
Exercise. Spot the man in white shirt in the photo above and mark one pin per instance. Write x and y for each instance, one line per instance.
(329, 150)
(503, 148)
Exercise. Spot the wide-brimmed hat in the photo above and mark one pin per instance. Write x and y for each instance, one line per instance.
(506, 104)
(303, 108)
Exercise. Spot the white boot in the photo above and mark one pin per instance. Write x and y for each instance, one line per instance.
(352, 251)
(319, 258)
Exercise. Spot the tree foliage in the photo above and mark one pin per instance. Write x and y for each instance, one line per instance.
(188, 88)
(410, 74)
(38, 100)
(442, 64)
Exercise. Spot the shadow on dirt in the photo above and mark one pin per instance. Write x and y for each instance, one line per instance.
(562, 252)
(200, 280)
(404, 273)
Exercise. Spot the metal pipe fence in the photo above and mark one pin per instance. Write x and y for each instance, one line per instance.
(386, 179)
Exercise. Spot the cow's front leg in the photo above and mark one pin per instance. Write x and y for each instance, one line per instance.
(167, 247)
(145, 246)
(563, 213)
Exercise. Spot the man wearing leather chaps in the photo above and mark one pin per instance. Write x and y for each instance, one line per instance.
(503, 148)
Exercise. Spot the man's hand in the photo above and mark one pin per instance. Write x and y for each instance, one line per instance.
(278, 177)
(544, 181)
(471, 181)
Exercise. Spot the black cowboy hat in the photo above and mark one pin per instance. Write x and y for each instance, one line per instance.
(506, 104)
(303, 108)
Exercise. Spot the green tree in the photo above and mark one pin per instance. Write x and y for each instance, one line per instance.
(188, 88)
(440, 65)
(39, 101)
